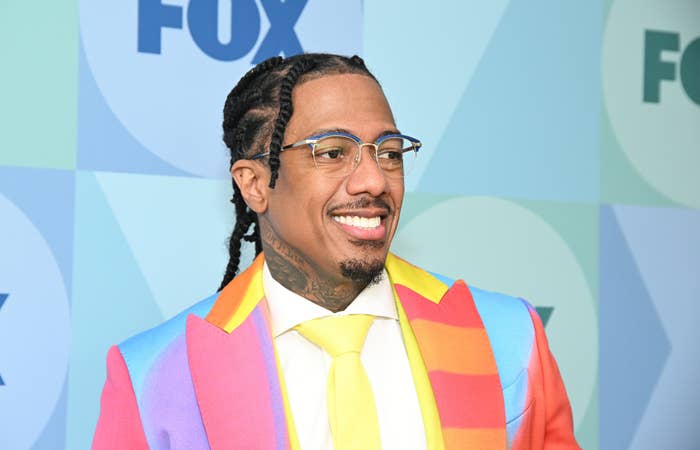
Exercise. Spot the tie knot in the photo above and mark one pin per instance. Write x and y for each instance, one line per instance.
(337, 334)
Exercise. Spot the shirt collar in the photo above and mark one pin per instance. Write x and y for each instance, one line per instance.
(288, 309)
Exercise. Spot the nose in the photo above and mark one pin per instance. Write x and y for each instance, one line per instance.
(367, 176)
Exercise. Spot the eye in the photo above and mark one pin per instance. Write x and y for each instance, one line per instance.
(392, 149)
(327, 153)
(390, 155)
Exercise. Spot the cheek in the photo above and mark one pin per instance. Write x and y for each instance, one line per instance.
(298, 206)
(397, 192)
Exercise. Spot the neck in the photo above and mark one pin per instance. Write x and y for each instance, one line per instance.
(294, 271)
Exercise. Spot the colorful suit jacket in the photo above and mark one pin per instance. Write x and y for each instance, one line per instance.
(210, 378)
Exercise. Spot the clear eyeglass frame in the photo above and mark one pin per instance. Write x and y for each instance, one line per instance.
(337, 154)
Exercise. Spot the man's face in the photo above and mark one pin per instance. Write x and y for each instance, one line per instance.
(313, 213)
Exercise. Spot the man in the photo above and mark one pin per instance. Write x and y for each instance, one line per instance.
(318, 165)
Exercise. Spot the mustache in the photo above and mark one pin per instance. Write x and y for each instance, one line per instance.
(364, 202)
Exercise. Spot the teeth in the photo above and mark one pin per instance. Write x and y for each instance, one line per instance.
(359, 222)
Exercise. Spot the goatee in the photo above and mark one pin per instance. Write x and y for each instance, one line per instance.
(362, 272)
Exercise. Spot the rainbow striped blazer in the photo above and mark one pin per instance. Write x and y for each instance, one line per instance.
(209, 377)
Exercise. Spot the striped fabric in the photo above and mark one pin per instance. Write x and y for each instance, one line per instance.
(457, 355)
(463, 346)
(262, 397)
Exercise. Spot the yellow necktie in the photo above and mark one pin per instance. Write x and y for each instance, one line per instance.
(351, 409)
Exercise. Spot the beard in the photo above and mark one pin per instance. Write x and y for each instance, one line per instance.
(362, 272)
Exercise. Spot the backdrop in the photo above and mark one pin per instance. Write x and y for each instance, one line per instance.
(560, 164)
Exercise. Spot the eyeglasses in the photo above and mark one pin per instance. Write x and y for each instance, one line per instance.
(337, 154)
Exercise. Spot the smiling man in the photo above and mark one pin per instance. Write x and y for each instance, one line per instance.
(328, 341)
(327, 225)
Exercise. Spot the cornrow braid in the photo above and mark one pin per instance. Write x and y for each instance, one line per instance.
(359, 61)
(238, 102)
(285, 112)
(256, 113)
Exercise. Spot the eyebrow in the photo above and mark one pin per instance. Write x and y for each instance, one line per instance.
(343, 130)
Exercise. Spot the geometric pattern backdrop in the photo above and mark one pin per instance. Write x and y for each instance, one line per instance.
(560, 164)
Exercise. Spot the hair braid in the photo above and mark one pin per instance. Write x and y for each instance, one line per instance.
(285, 112)
(245, 81)
(244, 218)
(358, 61)
(256, 113)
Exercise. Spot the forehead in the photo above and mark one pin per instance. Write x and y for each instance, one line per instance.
(347, 101)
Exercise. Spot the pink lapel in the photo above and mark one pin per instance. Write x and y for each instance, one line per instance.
(234, 371)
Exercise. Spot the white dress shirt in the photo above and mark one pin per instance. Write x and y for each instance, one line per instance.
(305, 366)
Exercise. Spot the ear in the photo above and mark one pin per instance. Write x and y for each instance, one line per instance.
(252, 179)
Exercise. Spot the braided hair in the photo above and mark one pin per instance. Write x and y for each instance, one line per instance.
(256, 113)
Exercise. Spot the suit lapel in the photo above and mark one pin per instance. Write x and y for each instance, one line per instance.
(237, 381)
(457, 356)
(234, 369)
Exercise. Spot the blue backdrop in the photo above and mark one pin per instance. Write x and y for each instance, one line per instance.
(560, 155)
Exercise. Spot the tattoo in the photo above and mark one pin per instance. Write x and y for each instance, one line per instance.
(294, 271)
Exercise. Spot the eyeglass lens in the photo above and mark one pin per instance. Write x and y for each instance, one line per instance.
(338, 156)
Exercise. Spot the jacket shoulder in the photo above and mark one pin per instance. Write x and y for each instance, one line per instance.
(509, 326)
(511, 332)
(140, 351)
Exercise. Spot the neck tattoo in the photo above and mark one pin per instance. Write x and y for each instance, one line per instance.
(293, 270)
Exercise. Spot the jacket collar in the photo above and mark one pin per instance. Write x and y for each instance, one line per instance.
(237, 379)
(235, 369)
(238, 299)
(416, 279)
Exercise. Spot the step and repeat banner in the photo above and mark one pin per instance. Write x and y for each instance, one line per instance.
(560, 164)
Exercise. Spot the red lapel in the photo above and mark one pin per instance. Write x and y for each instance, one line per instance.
(458, 357)
(236, 380)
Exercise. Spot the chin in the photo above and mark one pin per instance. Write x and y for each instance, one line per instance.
(369, 244)
(363, 271)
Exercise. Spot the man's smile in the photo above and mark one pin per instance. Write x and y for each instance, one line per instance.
(359, 222)
(364, 219)
(362, 225)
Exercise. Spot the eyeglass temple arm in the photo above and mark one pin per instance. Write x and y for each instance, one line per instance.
(287, 147)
